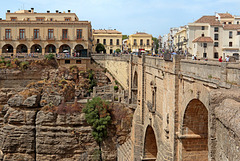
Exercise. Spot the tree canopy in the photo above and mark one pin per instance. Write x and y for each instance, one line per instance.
(118, 50)
(98, 116)
(100, 47)
(124, 37)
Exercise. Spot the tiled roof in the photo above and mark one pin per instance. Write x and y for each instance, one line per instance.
(106, 32)
(225, 15)
(203, 39)
(231, 27)
(208, 19)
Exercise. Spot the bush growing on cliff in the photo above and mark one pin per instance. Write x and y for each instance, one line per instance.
(50, 56)
(24, 64)
(97, 114)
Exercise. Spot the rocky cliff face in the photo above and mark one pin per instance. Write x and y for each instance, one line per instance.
(37, 124)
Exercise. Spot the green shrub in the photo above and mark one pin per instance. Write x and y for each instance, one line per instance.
(50, 56)
(24, 64)
(115, 88)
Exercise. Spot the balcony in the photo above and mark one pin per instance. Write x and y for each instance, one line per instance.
(233, 47)
(64, 38)
(78, 38)
(36, 38)
(7, 38)
(52, 38)
(20, 38)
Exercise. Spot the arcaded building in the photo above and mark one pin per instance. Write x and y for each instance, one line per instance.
(26, 31)
(111, 39)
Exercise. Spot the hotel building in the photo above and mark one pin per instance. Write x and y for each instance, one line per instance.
(26, 31)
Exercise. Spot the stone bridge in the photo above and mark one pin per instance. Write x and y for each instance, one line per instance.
(186, 110)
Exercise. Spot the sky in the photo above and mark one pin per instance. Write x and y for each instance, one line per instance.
(155, 17)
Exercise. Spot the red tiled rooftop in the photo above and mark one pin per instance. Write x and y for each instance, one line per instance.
(203, 39)
(225, 15)
(208, 19)
(231, 27)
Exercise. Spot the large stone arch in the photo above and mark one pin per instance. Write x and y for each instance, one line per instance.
(150, 145)
(36, 48)
(78, 48)
(195, 132)
(64, 47)
(50, 48)
(7, 48)
(22, 48)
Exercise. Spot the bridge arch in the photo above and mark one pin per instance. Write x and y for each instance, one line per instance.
(150, 145)
(195, 132)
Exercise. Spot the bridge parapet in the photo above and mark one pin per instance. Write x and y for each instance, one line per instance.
(220, 74)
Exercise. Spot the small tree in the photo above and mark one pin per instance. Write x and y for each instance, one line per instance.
(100, 47)
(98, 116)
(50, 56)
(118, 50)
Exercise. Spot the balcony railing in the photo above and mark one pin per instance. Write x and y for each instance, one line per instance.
(79, 38)
(36, 38)
(233, 46)
(50, 38)
(64, 38)
(22, 38)
(7, 38)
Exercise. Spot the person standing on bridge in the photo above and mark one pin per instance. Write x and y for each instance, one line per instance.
(220, 59)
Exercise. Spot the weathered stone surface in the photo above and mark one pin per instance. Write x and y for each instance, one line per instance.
(16, 101)
(31, 101)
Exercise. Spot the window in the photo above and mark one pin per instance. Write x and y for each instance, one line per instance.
(203, 27)
(141, 42)
(215, 29)
(79, 33)
(204, 45)
(204, 55)
(67, 61)
(13, 18)
(229, 22)
(104, 41)
(21, 33)
(215, 36)
(230, 44)
(148, 42)
(50, 33)
(215, 44)
(40, 19)
(135, 42)
(202, 35)
(28, 19)
(51, 19)
(98, 41)
(230, 34)
(224, 23)
(117, 41)
(67, 19)
(78, 61)
(111, 41)
(216, 55)
(64, 34)
(237, 22)
(8, 34)
(36, 33)
(238, 33)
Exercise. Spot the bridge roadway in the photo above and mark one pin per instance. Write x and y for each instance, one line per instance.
(186, 109)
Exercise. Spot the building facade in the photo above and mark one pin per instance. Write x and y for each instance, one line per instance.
(26, 31)
(111, 39)
(215, 36)
(140, 42)
(181, 39)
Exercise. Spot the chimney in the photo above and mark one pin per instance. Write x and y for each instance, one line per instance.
(32, 10)
(29, 11)
(56, 11)
(69, 11)
(8, 11)
(48, 11)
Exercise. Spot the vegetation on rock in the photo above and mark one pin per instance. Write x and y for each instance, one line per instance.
(97, 113)
(50, 56)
